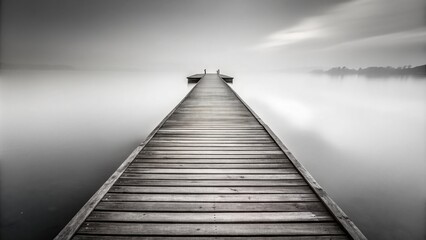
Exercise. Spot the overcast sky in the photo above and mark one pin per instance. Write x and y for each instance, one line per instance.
(232, 34)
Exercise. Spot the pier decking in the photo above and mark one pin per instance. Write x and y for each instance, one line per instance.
(211, 170)
(196, 77)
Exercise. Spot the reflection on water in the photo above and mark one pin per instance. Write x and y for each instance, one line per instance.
(362, 139)
(63, 134)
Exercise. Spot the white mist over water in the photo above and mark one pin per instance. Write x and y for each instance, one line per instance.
(362, 139)
(62, 134)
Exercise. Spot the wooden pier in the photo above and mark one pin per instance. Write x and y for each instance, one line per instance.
(211, 170)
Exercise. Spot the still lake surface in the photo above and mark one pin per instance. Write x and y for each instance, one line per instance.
(62, 134)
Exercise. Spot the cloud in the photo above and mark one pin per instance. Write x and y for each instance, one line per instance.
(307, 30)
(412, 37)
(348, 22)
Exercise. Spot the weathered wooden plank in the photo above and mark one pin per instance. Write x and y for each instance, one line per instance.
(312, 237)
(116, 197)
(228, 109)
(197, 115)
(214, 108)
(238, 108)
(221, 229)
(190, 112)
(211, 171)
(212, 117)
(190, 119)
(210, 189)
(209, 183)
(208, 217)
(239, 113)
(212, 128)
(207, 125)
(203, 144)
(214, 135)
(216, 122)
(209, 148)
(214, 141)
(219, 152)
(213, 161)
(212, 176)
(213, 206)
(212, 132)
(209, 165)
(212, 156)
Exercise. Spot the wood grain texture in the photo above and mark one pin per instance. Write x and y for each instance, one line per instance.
(312, 237)
(209, 217)
(212, 206)
(213, 176)
(213, 161)
(128, 197)
(200, 229)
(210, 189)
(211, 165)
(209, 156)
(211, 170)
(209, 183)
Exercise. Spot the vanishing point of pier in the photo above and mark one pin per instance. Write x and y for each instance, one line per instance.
(211, 170)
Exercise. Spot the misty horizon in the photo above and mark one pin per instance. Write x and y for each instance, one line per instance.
(35, 66)
(234, 35)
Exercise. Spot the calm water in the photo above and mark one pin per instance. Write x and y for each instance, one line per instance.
(363, 140)
(62, 134)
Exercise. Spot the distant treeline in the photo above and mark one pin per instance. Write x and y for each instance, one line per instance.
(419, 71)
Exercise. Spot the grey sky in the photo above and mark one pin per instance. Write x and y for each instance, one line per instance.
(238, 34)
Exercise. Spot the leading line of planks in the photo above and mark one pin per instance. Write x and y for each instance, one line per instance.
(211, 170)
